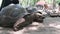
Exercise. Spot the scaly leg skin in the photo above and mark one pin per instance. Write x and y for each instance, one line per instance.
(23, 22)
(19, 22)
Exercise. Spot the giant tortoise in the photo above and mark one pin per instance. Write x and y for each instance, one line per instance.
(15, 16)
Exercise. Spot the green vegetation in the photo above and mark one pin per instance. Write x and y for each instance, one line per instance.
(26, 3)
(57, 1)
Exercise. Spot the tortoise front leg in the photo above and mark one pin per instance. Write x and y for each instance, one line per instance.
(19, 22)
(23, 22)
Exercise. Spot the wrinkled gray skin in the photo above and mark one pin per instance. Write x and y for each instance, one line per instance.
(17, 17)
(32, 10)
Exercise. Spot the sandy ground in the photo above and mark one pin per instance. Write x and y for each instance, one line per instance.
(50, 26)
